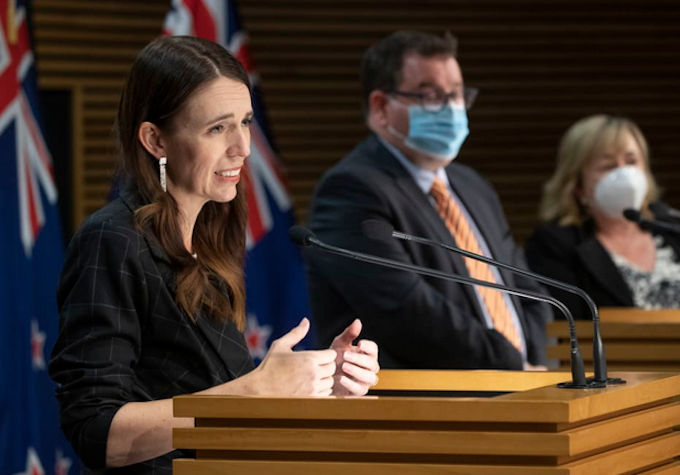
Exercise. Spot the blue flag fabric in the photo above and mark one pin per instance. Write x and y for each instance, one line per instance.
(31, 256)
(275, 279)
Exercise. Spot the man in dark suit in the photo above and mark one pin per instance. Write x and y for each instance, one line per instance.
(403, 174)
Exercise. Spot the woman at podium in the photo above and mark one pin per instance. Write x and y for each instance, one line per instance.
(151, 297)
(602, 170)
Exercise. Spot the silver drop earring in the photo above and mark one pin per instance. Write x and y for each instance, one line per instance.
(162, 162)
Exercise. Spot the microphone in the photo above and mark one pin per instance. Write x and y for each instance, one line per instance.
(663, 210)
(382, 231)
(649, 224)
(305, 238)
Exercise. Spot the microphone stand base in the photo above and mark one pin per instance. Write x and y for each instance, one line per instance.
(608, 381)
(589, 385)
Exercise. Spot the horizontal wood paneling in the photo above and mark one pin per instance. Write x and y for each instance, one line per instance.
(87, 48)
(540, 66)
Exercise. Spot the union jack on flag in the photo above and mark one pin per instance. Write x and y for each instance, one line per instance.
(34, 163)
(275, 279)
(31, 256)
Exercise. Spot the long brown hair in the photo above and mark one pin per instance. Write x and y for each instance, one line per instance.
(163, 76)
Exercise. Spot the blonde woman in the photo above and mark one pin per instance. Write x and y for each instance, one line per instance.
(603, 169)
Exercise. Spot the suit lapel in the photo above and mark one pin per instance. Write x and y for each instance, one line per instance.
(429, 216)
(421, 202)
(598, 263)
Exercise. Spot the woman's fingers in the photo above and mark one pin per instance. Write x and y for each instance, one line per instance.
(368, 347)
(349, 371)
(352, 387)
(369, 362)
(324, 386)
(321, 357)
(357, 369)
(326, 370)
(348, 335)
(360, 375)
(292, 338)
(297, 373)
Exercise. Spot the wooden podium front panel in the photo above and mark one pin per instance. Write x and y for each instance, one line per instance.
(250, 467)
(542, 430)
(635, 340)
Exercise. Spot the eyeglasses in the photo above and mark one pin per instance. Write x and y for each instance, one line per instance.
(435, 101)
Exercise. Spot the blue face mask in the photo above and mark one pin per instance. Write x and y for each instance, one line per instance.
(437, 134)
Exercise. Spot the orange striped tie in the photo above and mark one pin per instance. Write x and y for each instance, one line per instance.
(459, 227)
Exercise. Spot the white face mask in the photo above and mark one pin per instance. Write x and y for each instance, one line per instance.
(620, 189)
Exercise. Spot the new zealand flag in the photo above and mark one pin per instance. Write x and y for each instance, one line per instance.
(31, 256)
(275, 278)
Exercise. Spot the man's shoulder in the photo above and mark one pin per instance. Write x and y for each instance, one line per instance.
(462, 169)
(466, 174)
(370, 153)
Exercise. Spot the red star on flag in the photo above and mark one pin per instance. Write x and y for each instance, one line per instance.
(62, 464)
(37, 346)
(257, 336)
(33, 465)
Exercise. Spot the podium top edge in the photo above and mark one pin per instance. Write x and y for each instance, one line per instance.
(637, 315)
(546, 404)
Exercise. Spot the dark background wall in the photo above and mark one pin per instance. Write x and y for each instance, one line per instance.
(539, 65)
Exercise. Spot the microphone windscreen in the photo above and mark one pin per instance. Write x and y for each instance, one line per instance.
(378, 230)
(632, 215)
(300, 235)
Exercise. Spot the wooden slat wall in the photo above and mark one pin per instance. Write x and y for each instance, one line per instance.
(540, 67)
(87, 47)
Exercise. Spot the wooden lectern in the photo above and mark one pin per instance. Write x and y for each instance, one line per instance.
(635, 340)
(442, 422)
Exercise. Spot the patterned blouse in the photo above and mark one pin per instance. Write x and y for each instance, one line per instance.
(659, 288)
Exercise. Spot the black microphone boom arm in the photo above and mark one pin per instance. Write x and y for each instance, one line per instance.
(381, 230)
(649, 224)
(599, 358)
(304, 237)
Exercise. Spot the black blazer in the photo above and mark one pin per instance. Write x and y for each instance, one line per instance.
(123, 338)
(418, 322)
(573, 255)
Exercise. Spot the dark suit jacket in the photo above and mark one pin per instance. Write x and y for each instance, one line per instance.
(123, 338)
(418, 322)
(573, 255)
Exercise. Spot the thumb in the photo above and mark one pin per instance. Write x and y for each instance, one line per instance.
(350, 334)
(293, 337)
